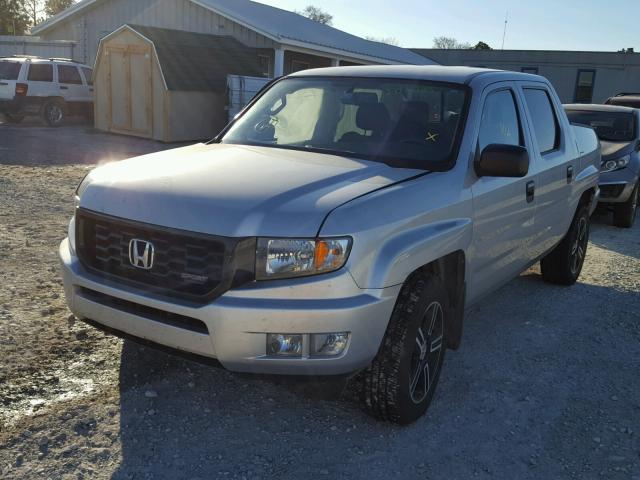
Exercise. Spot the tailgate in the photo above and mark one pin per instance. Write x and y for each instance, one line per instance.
(9, 72)
(7, 89)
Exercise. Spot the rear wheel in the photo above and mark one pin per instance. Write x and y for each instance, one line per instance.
(624, 215)
(13, 118)
(400, 383)
(563, 265)
(53, 113)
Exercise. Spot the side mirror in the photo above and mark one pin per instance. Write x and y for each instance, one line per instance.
(503, 161)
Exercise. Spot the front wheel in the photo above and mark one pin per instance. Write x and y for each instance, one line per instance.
(400, 383)
(563, 265)
(53, 113)
(624, 215)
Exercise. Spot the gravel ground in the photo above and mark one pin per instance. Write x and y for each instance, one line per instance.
(544, 386)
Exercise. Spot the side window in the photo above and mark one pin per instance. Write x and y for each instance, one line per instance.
(40, 72)
(69, 75)
(88, 75)
(545, 122)
(500, 122)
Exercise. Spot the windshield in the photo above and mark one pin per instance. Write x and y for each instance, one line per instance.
(9, 70)
(609, 126)
(402, 123)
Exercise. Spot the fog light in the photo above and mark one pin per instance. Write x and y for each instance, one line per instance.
(329, 344)
(284, 345)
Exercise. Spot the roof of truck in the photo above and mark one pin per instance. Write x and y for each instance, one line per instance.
(461, 75)
(594, 107)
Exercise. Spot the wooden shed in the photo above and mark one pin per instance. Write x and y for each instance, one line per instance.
(169, 85)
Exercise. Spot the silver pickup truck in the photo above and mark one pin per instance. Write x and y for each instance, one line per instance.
(341, 223)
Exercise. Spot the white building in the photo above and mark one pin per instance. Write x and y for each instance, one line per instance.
(289, 42)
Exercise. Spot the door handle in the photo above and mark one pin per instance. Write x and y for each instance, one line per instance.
(4, 84)
(531, 191)
(64, 88)
(570, 174)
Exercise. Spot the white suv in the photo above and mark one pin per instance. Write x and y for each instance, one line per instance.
(52, 88)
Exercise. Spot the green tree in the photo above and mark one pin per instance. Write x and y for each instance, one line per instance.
(317, 15)
(13, 19)
(53, 7)
(482, 46)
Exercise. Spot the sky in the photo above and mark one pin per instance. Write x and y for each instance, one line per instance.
(600, 25)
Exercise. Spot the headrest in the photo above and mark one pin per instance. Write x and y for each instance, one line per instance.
(359, 98)
(373, 117)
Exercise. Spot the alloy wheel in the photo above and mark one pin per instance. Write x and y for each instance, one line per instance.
(54, 114)
(425, 360)
(579, 247)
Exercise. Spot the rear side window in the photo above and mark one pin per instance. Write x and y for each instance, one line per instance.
(69, 74)
(500, 123)
(40, 72)
(545, 122)
(88, 75)
(9, 70)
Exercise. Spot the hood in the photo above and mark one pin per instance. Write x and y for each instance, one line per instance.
(613, 150)
(234, 190)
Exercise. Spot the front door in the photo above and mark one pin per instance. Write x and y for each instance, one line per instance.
(130, 88)
(504, 208)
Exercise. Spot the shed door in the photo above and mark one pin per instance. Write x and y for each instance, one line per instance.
(130, 90)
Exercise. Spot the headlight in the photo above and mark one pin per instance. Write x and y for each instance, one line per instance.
(72, 235)
(611, 165)
(86, 180)
(286, 258)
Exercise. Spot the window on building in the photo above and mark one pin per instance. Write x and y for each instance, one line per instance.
(543, 116)
(69, 75)
(88, 75)
(584, 86)
(500, 123)
(266, 66)
(40, 72)
(531, 70)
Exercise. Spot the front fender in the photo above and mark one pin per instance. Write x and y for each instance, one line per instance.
(401, 255)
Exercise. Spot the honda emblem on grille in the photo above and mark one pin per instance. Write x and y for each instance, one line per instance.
(141, 254)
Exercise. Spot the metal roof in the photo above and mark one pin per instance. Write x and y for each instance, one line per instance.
(197, 62)
(285, 27)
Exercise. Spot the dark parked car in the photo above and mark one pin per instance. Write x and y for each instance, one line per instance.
(625, 100)
(618, 129)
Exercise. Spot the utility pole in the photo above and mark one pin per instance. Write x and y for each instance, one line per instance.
(504, 33)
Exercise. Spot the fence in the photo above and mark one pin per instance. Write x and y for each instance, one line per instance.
(241, 90)
(36, 46)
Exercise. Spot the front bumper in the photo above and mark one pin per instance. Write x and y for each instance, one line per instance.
(237, 322)
(616, 187)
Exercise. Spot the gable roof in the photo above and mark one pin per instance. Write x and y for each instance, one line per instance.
(284, 27)
(196, 61)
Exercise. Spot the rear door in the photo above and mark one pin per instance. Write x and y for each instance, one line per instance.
(504, 211)
(557, 165)
(40, 78)
(9, 75)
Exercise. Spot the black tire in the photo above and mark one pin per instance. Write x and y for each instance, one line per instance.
(53, 113)
(563, 265)
(624, 215)
(390, 389)
(13, 118)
